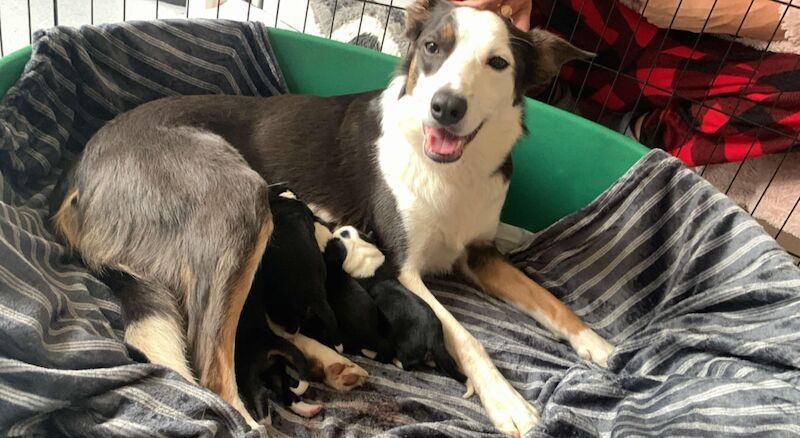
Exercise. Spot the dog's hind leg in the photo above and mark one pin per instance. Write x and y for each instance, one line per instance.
(496, 276)
(179, 208)
(153, 322)
(214, 328)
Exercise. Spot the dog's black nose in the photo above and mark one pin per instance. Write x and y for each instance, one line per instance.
(447, 107)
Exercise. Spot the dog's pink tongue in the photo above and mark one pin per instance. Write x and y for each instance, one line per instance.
(442, 142)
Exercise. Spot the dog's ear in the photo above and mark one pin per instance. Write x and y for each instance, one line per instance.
(552, 52)
(416, 14)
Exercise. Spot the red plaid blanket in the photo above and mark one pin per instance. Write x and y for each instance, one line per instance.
(703, 99)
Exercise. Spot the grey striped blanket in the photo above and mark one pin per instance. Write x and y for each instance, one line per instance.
(702, 304)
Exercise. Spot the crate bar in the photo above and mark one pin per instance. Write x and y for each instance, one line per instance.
(622, 60)
(361, 20)
(719, 69)
(761, 126)
(655, 58)
(571, 36)
(749, 81)
(611, 9)
(691, 56)
(386, 24)
(305, 17)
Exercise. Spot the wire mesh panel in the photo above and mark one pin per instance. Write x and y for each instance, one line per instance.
(715, 82)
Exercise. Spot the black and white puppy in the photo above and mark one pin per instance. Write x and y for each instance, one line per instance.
(415, 332)
(362, 325)
(293, 270)
(279, 385)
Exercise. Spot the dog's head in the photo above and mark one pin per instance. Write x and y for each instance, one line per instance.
(467, 68)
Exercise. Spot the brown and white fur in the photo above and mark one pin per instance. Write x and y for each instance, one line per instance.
(371, 160)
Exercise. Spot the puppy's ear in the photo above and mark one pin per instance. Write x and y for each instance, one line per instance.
(416, 14)
(552, 52)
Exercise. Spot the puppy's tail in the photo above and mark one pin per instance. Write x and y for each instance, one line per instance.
(445, 362)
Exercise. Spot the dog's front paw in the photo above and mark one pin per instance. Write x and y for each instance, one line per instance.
(344, 375)
(590, 346)
(509, 412)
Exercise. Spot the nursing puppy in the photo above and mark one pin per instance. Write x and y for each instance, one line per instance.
(424, 164)
(414, 331)
(293, 269)
(363, 326)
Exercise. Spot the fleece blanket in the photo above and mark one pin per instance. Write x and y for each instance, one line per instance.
(701, 303)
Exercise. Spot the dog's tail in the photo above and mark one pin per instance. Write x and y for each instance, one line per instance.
(445, 362)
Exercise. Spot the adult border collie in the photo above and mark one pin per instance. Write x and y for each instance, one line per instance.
(174, 193)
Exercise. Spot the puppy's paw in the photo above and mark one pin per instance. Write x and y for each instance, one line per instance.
(345, 375)
(590, 346)
(304, 409)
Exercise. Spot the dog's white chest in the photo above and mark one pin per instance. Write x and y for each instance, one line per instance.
(444, 207)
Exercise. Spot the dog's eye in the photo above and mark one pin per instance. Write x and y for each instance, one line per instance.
(431, 47)
(498, 63)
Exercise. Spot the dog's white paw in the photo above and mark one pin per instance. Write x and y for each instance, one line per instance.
(344, 375)
(509, 412)
(590, 346)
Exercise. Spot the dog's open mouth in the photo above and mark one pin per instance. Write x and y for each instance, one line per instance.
(443, 146)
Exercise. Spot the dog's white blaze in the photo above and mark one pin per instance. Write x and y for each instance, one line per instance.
(161, 340)
(466, 70)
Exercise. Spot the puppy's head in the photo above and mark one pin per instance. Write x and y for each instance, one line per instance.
(362, 258)
(467, 68)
